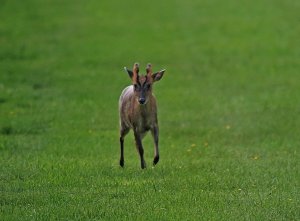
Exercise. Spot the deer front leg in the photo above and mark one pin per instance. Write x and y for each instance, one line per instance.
(155, 135)
(122, 151)
(139, 147)
(123, 133)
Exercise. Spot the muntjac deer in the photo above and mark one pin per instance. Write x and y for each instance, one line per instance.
(138, 111)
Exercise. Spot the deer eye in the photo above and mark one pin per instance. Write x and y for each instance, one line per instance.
(148, 86)
(136, 87)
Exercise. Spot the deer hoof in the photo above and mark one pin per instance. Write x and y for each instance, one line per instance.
(156, 159)
(143, 165)
(122, 163)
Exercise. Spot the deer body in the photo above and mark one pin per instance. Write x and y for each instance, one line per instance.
(135, 116)
(138, 111)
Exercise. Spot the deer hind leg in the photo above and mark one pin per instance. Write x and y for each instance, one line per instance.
(155, 135)
(139, 147)
(123, 133)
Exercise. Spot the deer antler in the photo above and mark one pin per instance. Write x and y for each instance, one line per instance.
(135, 71)
(149, 69)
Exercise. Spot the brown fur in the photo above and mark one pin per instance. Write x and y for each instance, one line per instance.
(138, 111)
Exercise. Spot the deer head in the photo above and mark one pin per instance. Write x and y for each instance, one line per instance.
(143, 83)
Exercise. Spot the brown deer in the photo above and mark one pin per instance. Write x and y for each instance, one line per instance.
(138, 111)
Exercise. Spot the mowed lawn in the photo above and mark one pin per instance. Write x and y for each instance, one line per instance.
(229, 110)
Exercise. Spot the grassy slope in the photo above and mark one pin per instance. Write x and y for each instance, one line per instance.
(228, 108)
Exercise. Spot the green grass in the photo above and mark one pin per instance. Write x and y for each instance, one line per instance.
(229, 110)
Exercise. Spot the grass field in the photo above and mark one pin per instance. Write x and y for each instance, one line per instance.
(229, 110)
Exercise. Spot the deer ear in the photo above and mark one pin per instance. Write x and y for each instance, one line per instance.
(130, 73)
(158, 75)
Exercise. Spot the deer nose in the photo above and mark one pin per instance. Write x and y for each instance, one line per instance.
(142, 100)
